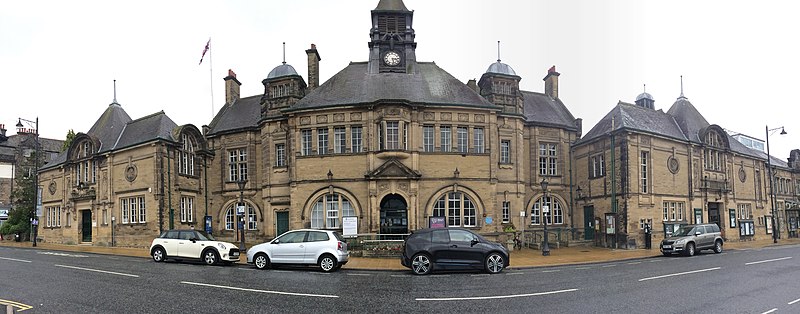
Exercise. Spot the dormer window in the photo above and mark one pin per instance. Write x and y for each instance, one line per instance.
(186, 160)
(85, 169)
(712, 154)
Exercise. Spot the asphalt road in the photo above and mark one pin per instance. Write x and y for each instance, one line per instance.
(736, 281)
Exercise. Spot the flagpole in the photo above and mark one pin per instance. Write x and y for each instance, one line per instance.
(211, 78)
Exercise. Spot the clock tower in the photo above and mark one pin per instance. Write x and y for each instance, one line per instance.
(391, 48)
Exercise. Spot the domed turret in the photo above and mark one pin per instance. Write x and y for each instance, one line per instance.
(501, 68)
(645, 99)
(281, 71)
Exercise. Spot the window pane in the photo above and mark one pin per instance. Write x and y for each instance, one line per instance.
(427, 138)
(478, 140)
(355, 134)
(461, 136)
(445, 139)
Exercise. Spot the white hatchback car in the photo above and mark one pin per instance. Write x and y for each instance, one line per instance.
(325, 248)
(192, 244)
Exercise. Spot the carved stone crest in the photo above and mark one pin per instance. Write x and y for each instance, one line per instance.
(742, 174)
(339, 117)
(446, 116)
(355, 116)
(463, 117)
(305, 120)
(428, 116)
(52, 187)
(131, 172)
(322, 119)
(673, 165)
(479, 118)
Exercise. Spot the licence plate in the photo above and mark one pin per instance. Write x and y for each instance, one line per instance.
(667, 246)
(235, 254)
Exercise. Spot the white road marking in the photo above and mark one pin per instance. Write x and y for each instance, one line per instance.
(480, 275)
(62, 254)
(583, 268)
(400, 276)
(14, 259)
(770, 311)
(497, 296)
(97, 270)
(358, 274)
(678, 274)
(261, 291)
(551, 271)
(793, 302)
(612, 265)
(769, 260)
(440, 275)
(509, 274)
(656, 260)
(634, 263)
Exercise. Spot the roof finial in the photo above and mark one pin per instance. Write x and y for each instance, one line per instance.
(682, 87)
(115, 92)
(645, 88)
(498, 51)
(284, 52)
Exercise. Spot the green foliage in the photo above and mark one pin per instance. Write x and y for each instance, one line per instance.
(68, 140)
(509, 228)
(24, 199)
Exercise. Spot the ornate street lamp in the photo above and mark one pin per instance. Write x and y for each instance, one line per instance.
(546, 212)
(34, 217)
(242, 210)
(770, 174)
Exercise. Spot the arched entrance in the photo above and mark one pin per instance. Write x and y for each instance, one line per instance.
(394, 215)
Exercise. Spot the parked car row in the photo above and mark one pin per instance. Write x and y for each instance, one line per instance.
(423, 251)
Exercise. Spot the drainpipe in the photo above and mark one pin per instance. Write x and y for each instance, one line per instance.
(613, 181)
(161, 193)
(169, 191)
(205, 194)
(571, 198)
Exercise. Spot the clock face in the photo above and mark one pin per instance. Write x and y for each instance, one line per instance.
(391, 58)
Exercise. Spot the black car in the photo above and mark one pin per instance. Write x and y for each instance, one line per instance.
(452, 248)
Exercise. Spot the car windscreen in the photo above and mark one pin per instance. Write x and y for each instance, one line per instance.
(203, 236)
(684, 231)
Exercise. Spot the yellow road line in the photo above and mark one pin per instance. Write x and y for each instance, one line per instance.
(20, 306)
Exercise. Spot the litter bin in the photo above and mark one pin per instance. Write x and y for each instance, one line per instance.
(648, 237)
(16, 237)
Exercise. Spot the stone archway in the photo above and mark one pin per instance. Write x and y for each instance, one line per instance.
(394, 215)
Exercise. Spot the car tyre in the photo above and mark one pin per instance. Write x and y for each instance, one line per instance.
(159, 255)
(494, 263)
(690, 249)
(261, 261)
(210, 257)
(328, 263)
(421, 264)
(718, 246)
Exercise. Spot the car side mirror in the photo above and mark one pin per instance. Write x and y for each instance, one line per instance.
(277, 241)
(473, 242)
(194, 240)
(697, 233)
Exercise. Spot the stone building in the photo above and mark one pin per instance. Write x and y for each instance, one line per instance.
(14, 162)
(124, 181)
(640, 166)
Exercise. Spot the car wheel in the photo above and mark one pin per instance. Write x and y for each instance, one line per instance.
(261, 261)
(689, 249)
(210, 257)
(328, 263)
(718, 247)
(421, 264)
(159, 255)
(495, 263)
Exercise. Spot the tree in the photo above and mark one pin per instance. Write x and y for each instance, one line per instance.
(24, 199)
(68, 140)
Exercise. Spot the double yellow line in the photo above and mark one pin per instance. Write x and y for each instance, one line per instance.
(18, 305)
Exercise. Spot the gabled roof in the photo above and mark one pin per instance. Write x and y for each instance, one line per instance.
(145, 129)
(688, 118)
(109, 126)
(636, 118)
(242, 114)
(425, 83)
(542, 109)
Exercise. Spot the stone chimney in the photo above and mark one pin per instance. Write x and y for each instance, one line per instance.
(473, 85)
(551, 83)
(794, 159)
(313, 67)
(3, 136)
(231, 87)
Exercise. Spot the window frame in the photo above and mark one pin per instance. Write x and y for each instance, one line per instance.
(280, 155)
(133, 210)
(187, 209)
(237, 164)
(548, 159)
(457, 208)
(505, 152)
(428, 138)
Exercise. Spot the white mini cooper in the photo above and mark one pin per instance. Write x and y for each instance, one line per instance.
(192, 244)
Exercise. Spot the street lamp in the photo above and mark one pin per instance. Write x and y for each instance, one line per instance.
(775, 229)
(546, 211)
(241, 213)
(34, 217)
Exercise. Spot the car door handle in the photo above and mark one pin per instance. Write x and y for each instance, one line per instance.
(454, 246)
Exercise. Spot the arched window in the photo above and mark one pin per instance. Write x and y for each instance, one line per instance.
(186, 160)
(556, 213)
(328, 210)
(712, 153)
(230, 217)
(457, 207)
(85, 168)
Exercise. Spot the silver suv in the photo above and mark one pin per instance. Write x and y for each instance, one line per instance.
(692, 238)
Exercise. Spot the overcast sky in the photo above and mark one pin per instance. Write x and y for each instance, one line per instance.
(739, 59)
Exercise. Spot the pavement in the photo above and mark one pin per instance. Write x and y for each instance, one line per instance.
(520, 259)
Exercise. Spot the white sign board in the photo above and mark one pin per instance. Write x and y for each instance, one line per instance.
(545, 209)
(349, 226)
(240, 210)
(522, 213)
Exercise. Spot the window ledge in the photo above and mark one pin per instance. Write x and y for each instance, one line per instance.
(506, 165)
(387, 154)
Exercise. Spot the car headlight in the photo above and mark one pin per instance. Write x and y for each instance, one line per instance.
(221, 246)
(680, 242)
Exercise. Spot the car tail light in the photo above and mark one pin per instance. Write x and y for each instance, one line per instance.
(341, 246)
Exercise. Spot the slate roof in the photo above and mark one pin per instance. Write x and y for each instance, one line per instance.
(636, 118)
(281, 71)
(688, 118)
(542, 109)
(501, 68)
(109, 126)
(425, 84)
(242, 114)
(145, 129)
(391, 5)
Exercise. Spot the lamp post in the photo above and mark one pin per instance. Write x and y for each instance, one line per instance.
(34, 217)
(546, 212)
(775, 229)
(241, 212)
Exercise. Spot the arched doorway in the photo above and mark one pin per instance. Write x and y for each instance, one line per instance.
(394, 215)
